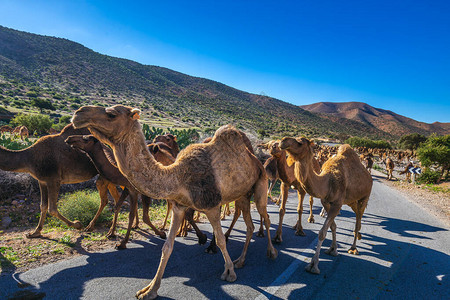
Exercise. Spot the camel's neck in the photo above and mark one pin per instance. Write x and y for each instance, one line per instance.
(141, 169)
(15, 161)
(316, 185)
(285, 172)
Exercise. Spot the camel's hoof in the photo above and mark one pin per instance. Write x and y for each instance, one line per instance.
(229, 276)
(277, 239)
(238, 263)
(300, 233)
(110, 236)
(121, 246)
(311, 220)
(142, 295)
(260, 233)
(33, 235)
(331, 251)
(202, 239)
(77, 225)
(162, 235)
(353, 251)
(211, 249)
(272, 253)
(312, 268)
(89, 228)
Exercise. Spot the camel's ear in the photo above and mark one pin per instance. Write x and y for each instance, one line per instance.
(135, 113)
(290, 160)
(175, 138)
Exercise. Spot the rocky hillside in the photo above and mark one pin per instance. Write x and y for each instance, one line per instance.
(378, 118)
(67, 74)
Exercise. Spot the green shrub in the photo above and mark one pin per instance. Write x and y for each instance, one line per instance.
(39, 124)
(82, 206)
(428, 176)
(14, 144)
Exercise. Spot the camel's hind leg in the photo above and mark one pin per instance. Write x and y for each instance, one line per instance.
(214, 218)
(151, 290)
(298, 227)
(260, 198)
(189, 216)
(284, 189)
(332, 212)
(212, 248)
(359, 208)
(44, 209)
(244, 206)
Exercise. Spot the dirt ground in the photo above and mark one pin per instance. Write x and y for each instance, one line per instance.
(18, 253)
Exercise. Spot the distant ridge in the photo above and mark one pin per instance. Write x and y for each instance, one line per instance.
(384, 120)
(71, 75)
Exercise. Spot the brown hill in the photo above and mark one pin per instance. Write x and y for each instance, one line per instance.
(384, 120)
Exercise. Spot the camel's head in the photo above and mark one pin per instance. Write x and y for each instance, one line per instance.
(107, 124)
(82, 142)
(273, 147)
(168, 139)
(297, 147)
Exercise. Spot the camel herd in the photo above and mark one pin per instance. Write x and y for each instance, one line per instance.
(203, 177)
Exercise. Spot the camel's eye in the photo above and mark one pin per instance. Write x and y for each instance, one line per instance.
(111, 116)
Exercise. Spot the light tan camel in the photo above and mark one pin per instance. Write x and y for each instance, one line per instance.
(288, 179)
(343, 180)
(52, 162)
(204, 176)
(389, 167)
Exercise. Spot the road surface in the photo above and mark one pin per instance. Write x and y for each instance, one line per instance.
(404, 254)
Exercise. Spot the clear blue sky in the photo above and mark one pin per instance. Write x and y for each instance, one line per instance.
(390, 54)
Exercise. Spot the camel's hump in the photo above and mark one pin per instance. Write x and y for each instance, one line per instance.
(227, 133)
(346, 150)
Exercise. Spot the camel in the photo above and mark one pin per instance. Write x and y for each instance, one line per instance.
(52, 162)
(406, 171)
(288, 179)
(204, 176)
(6, 128)
(389, 167)
(21, 131)
(343, 180)
(99, 156)
(270, 165)
(368, 159)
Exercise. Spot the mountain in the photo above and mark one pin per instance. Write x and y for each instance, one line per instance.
(384, 120)
(69, 75)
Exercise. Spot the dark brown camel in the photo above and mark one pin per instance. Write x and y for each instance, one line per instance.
(102, 159)
(52, 162)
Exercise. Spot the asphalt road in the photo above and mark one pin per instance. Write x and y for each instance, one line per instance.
(404, 254)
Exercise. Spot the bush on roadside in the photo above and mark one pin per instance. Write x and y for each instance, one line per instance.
(82, 206)
(428, 176)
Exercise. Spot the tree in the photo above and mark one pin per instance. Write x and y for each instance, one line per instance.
(411, 141)
(39, 124)
(436, 151)
(42, 103)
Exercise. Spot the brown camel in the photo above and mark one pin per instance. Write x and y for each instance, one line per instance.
(271, 168)
(6, 128)
(99, 156)
(288, 179)
(52, 162)
(368, 160)
(343, 180)
(21, 131)
(389, 167)
(204, 176)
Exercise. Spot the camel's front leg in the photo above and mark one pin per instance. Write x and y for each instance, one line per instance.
(284, 189)
(53, 190)
(151, 290)
(214, 218)
(311, 216)
(244, 205)
(298, 227)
